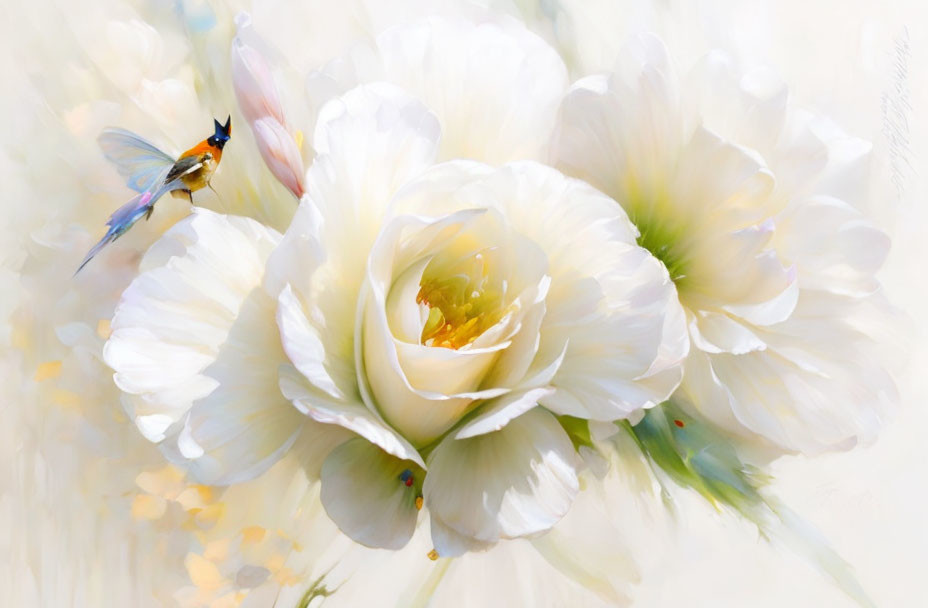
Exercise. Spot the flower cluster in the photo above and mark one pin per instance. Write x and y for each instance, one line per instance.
(494, 284)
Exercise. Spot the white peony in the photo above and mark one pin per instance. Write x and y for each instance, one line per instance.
(446, 315)
(748, 202)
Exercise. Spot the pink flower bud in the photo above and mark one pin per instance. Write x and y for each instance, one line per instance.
(280, 153)
(254, 86)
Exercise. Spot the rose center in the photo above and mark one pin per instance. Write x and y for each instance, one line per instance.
(462, 302)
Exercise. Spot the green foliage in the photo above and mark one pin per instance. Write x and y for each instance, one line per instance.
(695, 455)
(577, 429)
(316, 589)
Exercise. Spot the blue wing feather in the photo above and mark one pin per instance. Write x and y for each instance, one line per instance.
(142, 164)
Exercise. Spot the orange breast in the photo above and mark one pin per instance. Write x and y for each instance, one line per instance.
(202, 148)
(209, 156)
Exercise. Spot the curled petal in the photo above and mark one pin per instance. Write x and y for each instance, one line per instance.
(350, 415)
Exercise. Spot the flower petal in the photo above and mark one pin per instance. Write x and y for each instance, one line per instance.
(497, 413)
(369, 142)
(494, 86)
(252, 80)
(844, 263)
(515, 482)
(351, 415)
(365, 495)
(175, 316)
(818, 385)
(303, 344)
(718, 333)
(244, 425)
(280, 153)
(421, 390)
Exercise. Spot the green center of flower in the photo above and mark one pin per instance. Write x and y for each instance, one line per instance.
(463, 302)
(663, 234)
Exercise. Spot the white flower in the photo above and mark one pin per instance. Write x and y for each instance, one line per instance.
(494, 85)
(741, 197)
(431, 323)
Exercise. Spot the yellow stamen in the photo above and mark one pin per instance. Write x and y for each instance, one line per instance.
(462, 303)
(419, 503)
(433, 555)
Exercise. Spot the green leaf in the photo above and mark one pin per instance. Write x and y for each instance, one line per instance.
(578, 429)
(695, 455)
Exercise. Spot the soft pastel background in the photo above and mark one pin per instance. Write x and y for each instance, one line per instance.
(64, 543)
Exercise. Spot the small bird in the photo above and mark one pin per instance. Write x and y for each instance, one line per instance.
(153, 173)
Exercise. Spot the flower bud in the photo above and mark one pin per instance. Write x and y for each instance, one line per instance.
(254, 86)
(280, 153)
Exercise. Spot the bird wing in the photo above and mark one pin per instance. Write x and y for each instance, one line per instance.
(184, 166)
(142, 164)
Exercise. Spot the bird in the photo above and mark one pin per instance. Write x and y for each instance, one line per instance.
(153, 173)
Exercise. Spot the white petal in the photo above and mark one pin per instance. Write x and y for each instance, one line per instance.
(364, 494)
(818, 386)
(351, 415)
(748, 108)
(280, 153)
(405, 316)
(173, 319)
(736, 194)
(494, 86)
(369, 142)
(739, 272)
(843, 263)
(302, 343)
(497, 413)
(246, 424)
(702, 391)
(421, 390)
(719, 333)
(609, 370)
(621, 132)
(452, 543)
(512, 366)
(515, 482)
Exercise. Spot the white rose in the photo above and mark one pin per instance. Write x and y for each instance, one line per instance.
(444, 314)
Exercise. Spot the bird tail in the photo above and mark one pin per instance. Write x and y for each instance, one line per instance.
(108, 238)
(127, 215)
(121, 220)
